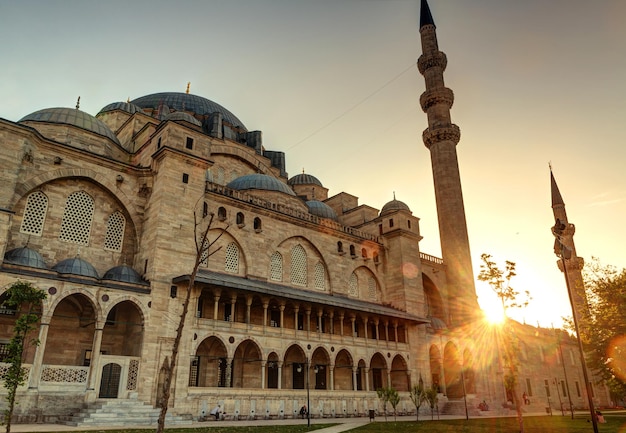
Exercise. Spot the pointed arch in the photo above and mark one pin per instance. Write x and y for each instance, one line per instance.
(452, 371)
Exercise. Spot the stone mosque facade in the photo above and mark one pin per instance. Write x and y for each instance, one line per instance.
(304, 290)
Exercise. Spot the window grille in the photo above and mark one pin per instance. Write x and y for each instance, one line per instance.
(371, 287)
(35, 214)
(220, 176)
(115, 232)
(232, 258)
(298, 266)
(320, 276)
(276, 267)
(77, 218)
(353, 285)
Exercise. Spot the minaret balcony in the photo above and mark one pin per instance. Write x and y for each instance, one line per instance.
(431, 60)
(449, 132)
(441, 95)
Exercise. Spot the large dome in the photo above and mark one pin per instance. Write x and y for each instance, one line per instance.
(76, 266)
(186, 102)
(71, 116)
(304, 179)
(321, 209)
(123, 106)
(260, 181)
(26, 257)
(393, 206)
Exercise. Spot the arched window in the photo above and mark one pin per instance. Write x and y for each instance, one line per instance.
(353, 285)
(320, 276)
(77, 218)
(339, 247)
(257, 224)
(34, 214)
(205, 209)
(298, 266)
(115, 232)
(352, 251)
(364, 253)
(232, 258)
(241, 220)
(375, 256)
(276, 267)
(221, 213)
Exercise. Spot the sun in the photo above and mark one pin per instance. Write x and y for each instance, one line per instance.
(494, 315)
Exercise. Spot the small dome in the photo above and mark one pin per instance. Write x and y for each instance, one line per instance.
(123, 273)
(123, 106)
(74, 117)
(393, 206)
(304, 179)
(260, 181)
(26, 257)
(181, 115)
(76, 266)
(321, 209)
(438, 324)
(187, 102)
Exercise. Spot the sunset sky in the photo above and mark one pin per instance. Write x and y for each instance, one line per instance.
(333, 83)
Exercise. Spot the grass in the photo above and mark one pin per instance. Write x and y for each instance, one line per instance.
(532, 424)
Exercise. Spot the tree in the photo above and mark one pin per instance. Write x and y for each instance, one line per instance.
(500, 282)
(394, 399)
(26, 299)
(204, 250)
(604, 327)
(418, 396)
(432, 397)
(385, 395)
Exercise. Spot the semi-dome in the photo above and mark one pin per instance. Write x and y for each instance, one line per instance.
(123, 273)
(25, 256)
(261, 182)
(393, 206)
(182, 116)
(321, 209)
(304, 179)
(74, 117)
(76, 266)
(186, 102)
(123, 106)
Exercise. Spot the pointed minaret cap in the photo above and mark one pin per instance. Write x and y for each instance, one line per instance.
(426, 18)
(556, 194)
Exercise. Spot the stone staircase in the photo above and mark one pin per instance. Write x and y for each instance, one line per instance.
(116, 412)
(457, 407)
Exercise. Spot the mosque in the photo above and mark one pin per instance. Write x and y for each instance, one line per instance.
(300, 292)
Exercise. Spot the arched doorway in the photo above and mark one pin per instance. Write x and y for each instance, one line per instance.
(320, 363)
(378, 372)
(247, 365)
(452, 371)
(435, 367)
(210, 366)
(399, 374)
(343, 371)
(294, 367)
(110, 380)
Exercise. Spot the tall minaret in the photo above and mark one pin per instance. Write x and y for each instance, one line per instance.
(569, 263)
(441, 138)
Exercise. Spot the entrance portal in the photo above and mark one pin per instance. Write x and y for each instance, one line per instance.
(110, 382)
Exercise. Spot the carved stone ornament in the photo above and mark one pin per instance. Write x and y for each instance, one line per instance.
(430, 60)
(437, 135)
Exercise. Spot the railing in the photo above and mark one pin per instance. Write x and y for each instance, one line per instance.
(66, 374)
(286, 210)
(432, 259)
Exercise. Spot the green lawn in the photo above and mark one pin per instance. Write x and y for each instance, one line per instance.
(543, 424)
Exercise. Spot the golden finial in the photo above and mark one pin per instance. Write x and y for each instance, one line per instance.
(78, 103)
(394, 195)
(188, 84)
(302, 170)
(128, 100)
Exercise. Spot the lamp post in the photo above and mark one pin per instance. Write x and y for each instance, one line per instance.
(464, 393)
(558, 393)
(308, 395)
(565, 254)
(569, 395)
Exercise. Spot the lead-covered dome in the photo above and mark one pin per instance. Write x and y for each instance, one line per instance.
(393, 206)
(182, 116)
(76, 266)
(321, 209)
(186, 102)
(304, 179)
(123, 273)
(25, 256)
(123, 106)
(74, 117)
(261, 182)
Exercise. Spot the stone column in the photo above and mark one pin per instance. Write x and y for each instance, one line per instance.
(388, 377)
(395, 330)
(229, 370)
(296, 310)
(266, 304)
(319, 321)
(263, 366)
(353, 323)
(280, 374)
(308, 321)
(216, 304)
(331, 315)
(282, 316)
(342, 315)
(367, 379)
(376, 332)
(387, 330)
(95, 358)
(355, 385)
(248, 307)
(35, 374)
(331, 378)
(233, 308)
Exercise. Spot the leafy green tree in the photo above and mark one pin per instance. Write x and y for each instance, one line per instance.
(26, 299)
(604, 328)
(394, 399)
(418, 397)
(432, 397)
(384, 394)
(500, 282)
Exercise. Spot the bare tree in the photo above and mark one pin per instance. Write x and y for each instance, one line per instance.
(203, 252)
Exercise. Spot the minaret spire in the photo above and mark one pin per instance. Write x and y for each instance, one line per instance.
(441, 138)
